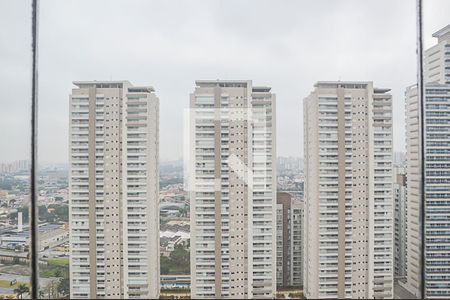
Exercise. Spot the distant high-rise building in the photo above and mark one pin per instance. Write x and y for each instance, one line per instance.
(289, 163)
(399, 159)
(437, 58)
(114, 184)
(400, 209)
(16, 166)
(436, 195)
(232, 183)
(289, 241)
(348, 191)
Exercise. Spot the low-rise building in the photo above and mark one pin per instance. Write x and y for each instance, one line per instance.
(50, 235)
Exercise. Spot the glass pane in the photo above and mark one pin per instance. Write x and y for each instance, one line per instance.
(427, 244)
(53, 181)
(362, 58)
(15, 84)
(230, 149)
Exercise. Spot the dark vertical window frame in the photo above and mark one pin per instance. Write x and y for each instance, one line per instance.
(34, 160)
(421, 101)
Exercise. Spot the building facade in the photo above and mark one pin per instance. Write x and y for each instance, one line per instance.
(348, 191)
(435, 249)
(437, 58)
(400, 226)
(437, 192)
(289, 241)
(113, 191)
(232, 190)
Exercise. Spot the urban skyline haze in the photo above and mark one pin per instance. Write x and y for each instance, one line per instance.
(155, 44)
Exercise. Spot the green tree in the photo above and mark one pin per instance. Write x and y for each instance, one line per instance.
(164, 265)
(183, 211)
(60, 212)
(21, 289)
(58, 273)
(180, 259)
(24, 210)
(64, 286)
(43, 213)
(6, 184)
(177, 263)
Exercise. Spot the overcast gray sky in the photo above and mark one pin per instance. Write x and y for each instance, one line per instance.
(288, 45)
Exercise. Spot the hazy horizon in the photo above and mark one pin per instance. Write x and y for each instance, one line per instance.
(288, 47)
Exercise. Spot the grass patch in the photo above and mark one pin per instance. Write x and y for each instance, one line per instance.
(53, 271)
(56, 267)
(176, 270)
(48, 273)
(5, 284)
(58, 262)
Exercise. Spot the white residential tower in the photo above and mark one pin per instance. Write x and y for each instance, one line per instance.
(114, 184)
(232, 189)
(348, 193)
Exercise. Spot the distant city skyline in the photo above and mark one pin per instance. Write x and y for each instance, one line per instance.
(399, 156)
(287, 54)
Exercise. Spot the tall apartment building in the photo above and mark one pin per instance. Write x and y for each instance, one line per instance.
(232, 190)
(437, 192)
(113, 191)
(289, 241)
(400, 226)
(348, 193)
(437, 175)
(437, 58)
